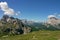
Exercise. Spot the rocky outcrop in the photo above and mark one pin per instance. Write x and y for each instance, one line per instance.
(52, 20)
(13, 25)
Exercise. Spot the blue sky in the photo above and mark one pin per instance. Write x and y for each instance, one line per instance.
(34, 9)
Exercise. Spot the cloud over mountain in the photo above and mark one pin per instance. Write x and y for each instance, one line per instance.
(6, 9)
(49, 16)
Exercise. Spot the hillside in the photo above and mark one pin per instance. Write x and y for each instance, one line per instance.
(38, 35)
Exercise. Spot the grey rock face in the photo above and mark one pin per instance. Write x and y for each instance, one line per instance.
(13, 25)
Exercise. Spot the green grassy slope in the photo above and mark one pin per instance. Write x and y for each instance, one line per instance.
(38, 35)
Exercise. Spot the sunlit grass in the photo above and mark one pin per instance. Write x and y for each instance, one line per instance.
(38, 35)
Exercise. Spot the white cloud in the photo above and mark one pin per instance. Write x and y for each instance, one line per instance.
(51, 16)
(59, 15)
(18, 13)
(7, 11)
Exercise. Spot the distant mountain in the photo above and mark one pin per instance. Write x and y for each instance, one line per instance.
(30, 22)
(54, 22)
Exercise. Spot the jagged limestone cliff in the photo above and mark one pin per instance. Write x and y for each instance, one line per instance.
(11, 25)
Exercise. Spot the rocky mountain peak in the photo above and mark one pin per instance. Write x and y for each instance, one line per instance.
(13, 24)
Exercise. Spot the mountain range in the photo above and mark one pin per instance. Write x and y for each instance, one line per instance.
(11, 25)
